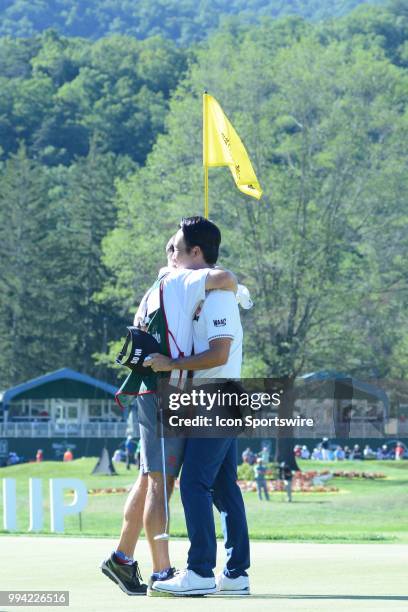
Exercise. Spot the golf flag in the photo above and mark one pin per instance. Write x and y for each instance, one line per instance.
(223, 147)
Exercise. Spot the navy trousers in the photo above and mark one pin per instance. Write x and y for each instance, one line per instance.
(209, 476)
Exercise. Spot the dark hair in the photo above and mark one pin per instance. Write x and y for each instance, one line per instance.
(201, 232)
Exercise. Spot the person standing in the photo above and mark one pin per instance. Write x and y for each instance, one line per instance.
(209, 472)
(285, 474)
(259, 473)
(166, 311)
(130, 451)
(399, 451)
(265, 454)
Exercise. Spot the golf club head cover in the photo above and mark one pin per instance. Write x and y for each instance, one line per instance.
(138, 345)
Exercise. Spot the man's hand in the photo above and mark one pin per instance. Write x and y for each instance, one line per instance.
(158, 362)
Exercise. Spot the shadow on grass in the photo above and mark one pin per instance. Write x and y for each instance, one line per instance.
(263, 537)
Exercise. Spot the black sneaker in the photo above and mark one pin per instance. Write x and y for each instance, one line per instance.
(164, 575)
(127, 577)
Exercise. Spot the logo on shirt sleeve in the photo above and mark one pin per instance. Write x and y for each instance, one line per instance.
(220, 322)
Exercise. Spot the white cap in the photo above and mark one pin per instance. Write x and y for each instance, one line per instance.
(244, 298)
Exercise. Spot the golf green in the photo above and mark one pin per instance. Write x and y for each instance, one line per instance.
(284, 576)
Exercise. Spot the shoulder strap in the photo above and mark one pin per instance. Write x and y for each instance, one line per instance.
(168, 330)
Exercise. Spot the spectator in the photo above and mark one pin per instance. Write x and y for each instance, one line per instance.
(330, 454)
(325, 449)
(117, 456)
(399, 451)
(137, 455)
(68, 456)
(130, 448)
(382, 453)
(248, 456)
(356, 453)
(339, 454)
(265, 454)
(39, 456)
(317, 454)
(347, 453)
(368, 452)
(298, 451)
(285, 474)
(13, 458)
(259, 474)
(305, 454)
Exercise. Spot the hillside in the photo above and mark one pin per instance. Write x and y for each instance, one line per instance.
(184, 22)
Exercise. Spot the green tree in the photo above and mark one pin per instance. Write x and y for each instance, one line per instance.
(324, 126)
(30, 312)
(84, 196)
(58, 94)
(52, 223)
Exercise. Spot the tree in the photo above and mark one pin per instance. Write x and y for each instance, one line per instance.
(58, 94)
(84, 195)
(325, 135)
(28, 309)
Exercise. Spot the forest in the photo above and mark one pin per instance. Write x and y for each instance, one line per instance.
(101, 144)
(184, 22)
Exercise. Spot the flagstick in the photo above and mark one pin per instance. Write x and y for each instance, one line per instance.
(206, 192)
(205, 150)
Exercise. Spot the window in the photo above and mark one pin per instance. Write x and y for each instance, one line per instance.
(19, 410)
(95, 409)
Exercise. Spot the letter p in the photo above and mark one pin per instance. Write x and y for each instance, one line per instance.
(57, 508)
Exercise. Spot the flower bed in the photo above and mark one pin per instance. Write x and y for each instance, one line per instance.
(297, 486)
(109, 490)
(353, 474)
(311, 481)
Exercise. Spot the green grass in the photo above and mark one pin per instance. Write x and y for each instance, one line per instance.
(361, 511)
(283, 577)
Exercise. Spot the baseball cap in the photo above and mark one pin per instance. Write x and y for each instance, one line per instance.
(138, 345)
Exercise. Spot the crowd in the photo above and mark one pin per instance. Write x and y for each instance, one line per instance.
(248, 456)
(325, 451)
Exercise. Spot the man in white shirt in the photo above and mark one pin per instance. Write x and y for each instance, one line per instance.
(174, 301)
(210, 464)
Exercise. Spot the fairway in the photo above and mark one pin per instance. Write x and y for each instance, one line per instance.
(283, 576)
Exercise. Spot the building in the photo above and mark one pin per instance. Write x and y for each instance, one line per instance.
(61, 404)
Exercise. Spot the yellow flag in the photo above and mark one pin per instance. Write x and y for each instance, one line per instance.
(223, 147)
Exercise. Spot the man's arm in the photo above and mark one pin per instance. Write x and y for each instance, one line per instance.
(221, 279)
(213, 357)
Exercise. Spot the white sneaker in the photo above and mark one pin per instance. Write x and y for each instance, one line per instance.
(232, 586)
(186, 582)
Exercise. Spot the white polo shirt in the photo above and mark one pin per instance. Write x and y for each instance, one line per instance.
(183, 290)
(218, 317)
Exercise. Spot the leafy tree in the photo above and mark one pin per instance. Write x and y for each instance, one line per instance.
(58, 94)
(324, 125)
(52, 224)
(29, 315)
(83, 194)
(384, 27)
